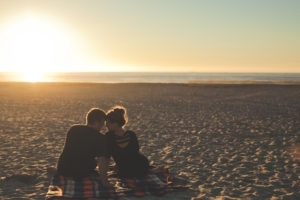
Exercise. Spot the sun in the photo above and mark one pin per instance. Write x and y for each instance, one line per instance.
(33, 77)
(34, 45)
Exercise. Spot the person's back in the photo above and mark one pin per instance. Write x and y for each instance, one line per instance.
(82, 145)
(129, 160)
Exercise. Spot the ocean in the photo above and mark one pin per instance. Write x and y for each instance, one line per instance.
(156, 77)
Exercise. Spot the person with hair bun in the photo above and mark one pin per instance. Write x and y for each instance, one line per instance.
(124, 147)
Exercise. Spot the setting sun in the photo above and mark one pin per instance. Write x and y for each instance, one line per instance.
(34, 45)
(33, 77)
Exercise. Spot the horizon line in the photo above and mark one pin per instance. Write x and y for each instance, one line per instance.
(161, 72)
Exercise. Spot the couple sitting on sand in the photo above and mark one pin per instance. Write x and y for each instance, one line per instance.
(86, 149)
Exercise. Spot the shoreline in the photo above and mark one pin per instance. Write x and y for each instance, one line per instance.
(163, 77)
(242, 83)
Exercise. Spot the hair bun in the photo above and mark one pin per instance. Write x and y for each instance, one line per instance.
(117, 114)
(119, 110)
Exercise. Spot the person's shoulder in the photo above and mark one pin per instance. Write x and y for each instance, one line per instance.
(81, 128)
(109, 134)
(78, 125)
(101, 135)
(130, 132)
(75, 127)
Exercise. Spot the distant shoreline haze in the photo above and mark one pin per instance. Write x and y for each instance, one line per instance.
(157, 77)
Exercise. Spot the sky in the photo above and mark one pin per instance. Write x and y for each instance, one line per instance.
(150, 35)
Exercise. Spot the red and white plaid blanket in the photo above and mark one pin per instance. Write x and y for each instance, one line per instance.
(157, 183)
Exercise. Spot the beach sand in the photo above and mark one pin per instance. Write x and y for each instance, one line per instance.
(226, 141)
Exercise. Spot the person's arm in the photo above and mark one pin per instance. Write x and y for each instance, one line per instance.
(103, 163)
(134, 141)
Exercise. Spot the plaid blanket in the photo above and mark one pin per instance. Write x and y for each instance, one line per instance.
(155, 183)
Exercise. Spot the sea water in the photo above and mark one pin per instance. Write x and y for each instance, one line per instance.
(157, 77)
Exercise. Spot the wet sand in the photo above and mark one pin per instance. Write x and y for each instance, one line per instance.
(226, 141)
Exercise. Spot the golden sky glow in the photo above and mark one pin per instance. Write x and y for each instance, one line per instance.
(129, 35)
(31, 42)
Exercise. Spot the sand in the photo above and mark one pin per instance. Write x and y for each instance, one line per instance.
(226, 141)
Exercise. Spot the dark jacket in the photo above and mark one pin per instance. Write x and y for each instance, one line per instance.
(82, 145)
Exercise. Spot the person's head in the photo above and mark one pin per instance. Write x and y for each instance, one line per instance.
(116, 118)
(95, 118)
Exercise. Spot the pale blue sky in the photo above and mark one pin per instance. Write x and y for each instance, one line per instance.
(175, 35)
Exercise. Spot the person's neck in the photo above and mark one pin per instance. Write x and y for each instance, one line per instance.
(119, 132)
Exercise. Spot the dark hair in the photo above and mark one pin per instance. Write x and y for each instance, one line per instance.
(117, 115)
(94, 115)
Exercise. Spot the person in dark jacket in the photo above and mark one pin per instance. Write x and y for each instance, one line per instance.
(85, 148)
